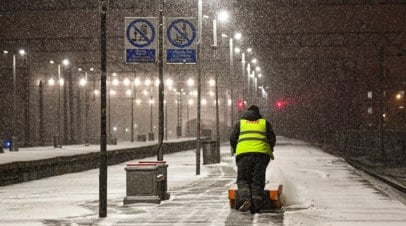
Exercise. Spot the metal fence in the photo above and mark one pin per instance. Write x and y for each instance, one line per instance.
(358, 143)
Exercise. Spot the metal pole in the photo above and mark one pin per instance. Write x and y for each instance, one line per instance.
(382, 102)
(59, 140)
(103, 118)
(13, 137)
(199, 83)
(151, 129)
(108, 87)
(166, 116)
(41, 113)
(249, 83)
(132, 108)
(160, 155)
(87, 110)
(255, 88)
(231, 79)
(217, 84)
(243, 76)
(187, 114)
(178, 111)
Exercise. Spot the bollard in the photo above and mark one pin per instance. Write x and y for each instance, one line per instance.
(142, 138)
(14, 146)
(143, 183)
(162, 170)
(151, 137)
(210, 153)
(57, 142)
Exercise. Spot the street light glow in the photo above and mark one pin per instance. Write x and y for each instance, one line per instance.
(237, 36)
(206, 17)
(190, 82)
(128, 92)
(137, 82)
(249, 50)
(237, 50)
(21, 52)
(114, 74)
(204, 101)
(51, 82)
(113, 92)
(169, 82)
(82, 82)
(51, 62)
(254, 61)
(260, 75)
(223, 16)
(61, 82)
(212, 82)
(96, 92)
(5, 51)
(115, 82)
(91, 69)
(157, 82)
(224, 35)
(126, 82)
(147, 82)
(398, 96)
(65, 62)
(257, 69)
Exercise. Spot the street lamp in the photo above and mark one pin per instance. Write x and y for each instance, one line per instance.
(132, 107)
(222, 16)
(148, 83)
(57, 137)
(83, 82)
(237, 36)
(14, 146)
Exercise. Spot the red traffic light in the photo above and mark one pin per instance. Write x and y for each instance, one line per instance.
(240, 105)
(280, 104)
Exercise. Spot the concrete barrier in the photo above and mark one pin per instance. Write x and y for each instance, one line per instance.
(17, 172)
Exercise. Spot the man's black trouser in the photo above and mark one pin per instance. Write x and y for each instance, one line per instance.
(251, 175)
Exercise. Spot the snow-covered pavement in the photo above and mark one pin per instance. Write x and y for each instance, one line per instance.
(319, 189)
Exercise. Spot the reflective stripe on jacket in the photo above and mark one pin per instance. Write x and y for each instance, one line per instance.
(252, 138)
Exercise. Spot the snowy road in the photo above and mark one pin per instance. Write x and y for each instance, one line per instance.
(319, 189)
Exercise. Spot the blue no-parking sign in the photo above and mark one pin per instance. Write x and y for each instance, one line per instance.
(181, 37)
(140, 39)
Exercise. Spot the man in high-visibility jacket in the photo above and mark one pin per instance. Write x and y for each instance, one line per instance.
(252, 141)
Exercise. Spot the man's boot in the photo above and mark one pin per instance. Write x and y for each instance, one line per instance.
(256, 206)
(245, 206)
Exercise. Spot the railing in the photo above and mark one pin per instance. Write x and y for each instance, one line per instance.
(357, 143)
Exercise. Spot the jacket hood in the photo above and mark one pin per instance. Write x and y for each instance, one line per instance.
(251, 115)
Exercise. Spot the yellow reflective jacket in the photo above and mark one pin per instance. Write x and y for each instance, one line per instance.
(252, 138)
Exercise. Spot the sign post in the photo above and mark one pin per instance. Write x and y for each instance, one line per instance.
(181, 41)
